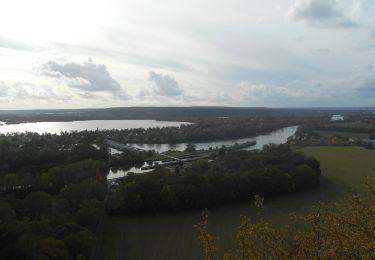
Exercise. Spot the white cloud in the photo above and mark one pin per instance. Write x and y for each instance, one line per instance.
(87, 76)
(197, 51)
(4, 89)
(165, 85)
(31, 92)
(263, 94)
(17, 45)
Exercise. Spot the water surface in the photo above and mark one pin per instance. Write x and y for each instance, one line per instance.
(278, 137)
(92, 125)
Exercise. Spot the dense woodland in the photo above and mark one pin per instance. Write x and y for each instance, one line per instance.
(52, 192)
(54, 217)
(52, 189)
(232, 176)
(363, 126)
(353, 123)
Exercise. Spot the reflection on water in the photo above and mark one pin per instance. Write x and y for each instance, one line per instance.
(57, 127)
(277, 137)
(115, 172)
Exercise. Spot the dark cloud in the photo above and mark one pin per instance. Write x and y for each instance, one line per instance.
(321, 13)
(165, 84)
(87, 76)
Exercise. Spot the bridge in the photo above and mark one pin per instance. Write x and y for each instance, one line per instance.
(170, 157)
(125, 147)
(121, 146)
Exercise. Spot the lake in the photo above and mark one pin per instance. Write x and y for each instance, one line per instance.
(58, 127)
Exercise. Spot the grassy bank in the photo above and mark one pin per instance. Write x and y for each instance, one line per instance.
(172, 236)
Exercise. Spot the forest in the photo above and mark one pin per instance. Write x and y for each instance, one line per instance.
(54, 217)
(52, 194)
(232, 176)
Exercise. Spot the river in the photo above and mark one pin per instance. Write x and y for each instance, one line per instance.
(277, 137)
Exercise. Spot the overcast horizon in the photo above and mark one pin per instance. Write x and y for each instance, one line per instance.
(98, 54)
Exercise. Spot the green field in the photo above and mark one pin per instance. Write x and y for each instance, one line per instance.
(343, 134)
(356, 124)
(172, 236)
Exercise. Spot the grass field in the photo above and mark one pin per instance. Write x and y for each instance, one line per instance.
(343, 134)
(356, 124)
(172, 236)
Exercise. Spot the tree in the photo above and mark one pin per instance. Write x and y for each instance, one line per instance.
(10, 181)
(52, 249)
(80, 243)
(6, 213)
(37, 204)
(190, 148)
(207, 240)
(341, 230)
(89, 213)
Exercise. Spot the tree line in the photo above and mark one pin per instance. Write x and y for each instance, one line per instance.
(232, 176)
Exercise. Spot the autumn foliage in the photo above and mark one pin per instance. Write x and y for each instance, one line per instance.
(342, 230)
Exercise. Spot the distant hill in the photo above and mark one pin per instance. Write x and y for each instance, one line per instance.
(159, 113)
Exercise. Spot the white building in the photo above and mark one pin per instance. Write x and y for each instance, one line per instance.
(337, 118)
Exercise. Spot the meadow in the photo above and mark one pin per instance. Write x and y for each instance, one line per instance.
(328, 134)
(172, 236)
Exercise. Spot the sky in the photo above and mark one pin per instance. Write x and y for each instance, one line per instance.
(109, 53)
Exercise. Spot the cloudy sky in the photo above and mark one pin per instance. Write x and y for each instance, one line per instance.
(275, 53)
